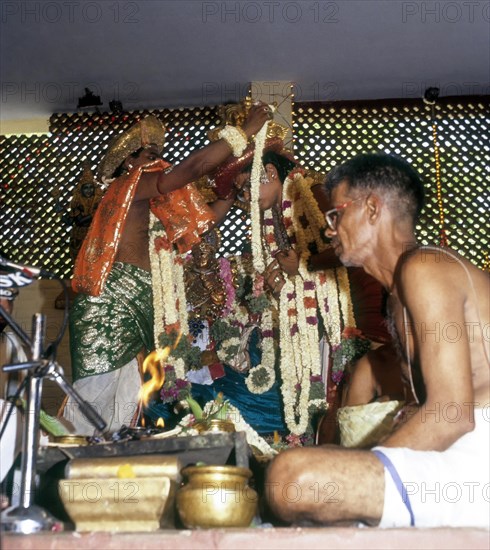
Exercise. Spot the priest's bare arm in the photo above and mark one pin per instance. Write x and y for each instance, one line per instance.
(200, 162)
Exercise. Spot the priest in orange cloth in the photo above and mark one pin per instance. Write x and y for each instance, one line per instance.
(111, 319)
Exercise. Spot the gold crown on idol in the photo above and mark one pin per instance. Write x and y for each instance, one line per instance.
(234, 114)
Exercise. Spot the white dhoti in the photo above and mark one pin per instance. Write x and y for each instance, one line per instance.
(437, 489)
(114, 395)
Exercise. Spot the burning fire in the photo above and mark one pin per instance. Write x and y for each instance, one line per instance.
(153, 364)
(160, 423)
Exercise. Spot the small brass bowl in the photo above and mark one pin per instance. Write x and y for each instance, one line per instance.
(70, 439)
(216, 496)
(215, 426)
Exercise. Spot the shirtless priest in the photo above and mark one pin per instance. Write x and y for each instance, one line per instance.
(111, 319)
(434, 469)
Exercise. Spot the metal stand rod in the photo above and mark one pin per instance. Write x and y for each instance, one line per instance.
(31, 425)
(55, 372)
(28, 517)
(15, 327)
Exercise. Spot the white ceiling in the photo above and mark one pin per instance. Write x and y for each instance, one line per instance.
(167, 53)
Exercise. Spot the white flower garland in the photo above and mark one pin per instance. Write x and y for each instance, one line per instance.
(157, 288)
(298, 303)
(345, 297)
(332, 287)
(268, 357)
(235, 137)
(307, 207)
(225, 351)
(270, 248)
(327, 294)
(253, 438)
(257, 167)
(169, 301)
(299, 339)
(237, 316)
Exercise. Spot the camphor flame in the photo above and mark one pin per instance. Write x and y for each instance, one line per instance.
(160, 423)
(153, 364)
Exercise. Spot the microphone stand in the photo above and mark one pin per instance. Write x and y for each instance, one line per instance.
(28, 517)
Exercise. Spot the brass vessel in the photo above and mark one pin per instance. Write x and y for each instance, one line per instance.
(115, 504)
(215, 426)
(121, 493)
(216, 496)
(69, 439)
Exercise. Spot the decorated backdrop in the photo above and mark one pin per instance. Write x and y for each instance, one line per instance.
(448, 143)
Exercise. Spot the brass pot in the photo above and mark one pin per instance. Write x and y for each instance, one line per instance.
(216, 496)
(215, 426)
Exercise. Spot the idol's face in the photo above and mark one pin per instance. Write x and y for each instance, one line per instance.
(270, 189)
(88, 190)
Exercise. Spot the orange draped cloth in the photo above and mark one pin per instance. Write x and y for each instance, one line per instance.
(183, 213)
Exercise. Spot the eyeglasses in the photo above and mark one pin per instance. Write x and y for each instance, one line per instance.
(332, 216)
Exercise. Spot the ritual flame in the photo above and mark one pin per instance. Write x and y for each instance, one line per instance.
(160, 423)
(153, 364)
